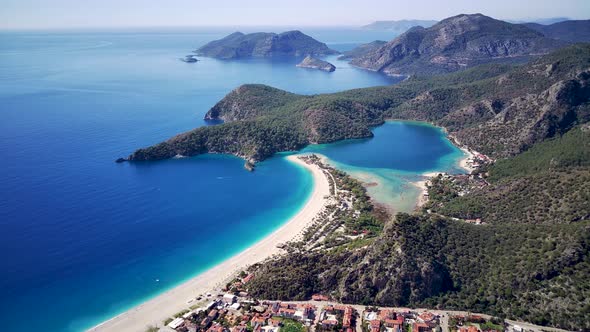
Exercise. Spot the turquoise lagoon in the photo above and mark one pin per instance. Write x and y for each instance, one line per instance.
(400, 153)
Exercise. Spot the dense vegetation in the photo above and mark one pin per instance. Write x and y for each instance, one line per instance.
(499, 110)
(527, 272)
(547, 184)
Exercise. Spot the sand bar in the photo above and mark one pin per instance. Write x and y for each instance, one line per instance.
(155, 311)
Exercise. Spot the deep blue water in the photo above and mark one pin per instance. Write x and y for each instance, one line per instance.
(82, 238)
(399, 145)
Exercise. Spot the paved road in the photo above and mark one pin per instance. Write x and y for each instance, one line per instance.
(444, 314)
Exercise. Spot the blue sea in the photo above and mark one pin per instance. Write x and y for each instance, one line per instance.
(82, 238)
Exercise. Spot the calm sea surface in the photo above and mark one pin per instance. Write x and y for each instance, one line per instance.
(82, 238)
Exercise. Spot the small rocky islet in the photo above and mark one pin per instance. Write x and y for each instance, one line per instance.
(191, 58)
(315, 63)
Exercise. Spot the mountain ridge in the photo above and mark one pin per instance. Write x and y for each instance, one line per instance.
(398, 26)
(574, 31)
(456, 43)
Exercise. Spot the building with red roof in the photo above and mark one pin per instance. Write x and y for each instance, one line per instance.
(421, 327)
(319, 297)
(376, 325)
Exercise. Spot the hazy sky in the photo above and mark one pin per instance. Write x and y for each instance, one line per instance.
(116, 13)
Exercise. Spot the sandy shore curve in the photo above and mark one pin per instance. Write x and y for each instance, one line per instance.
(155, 311)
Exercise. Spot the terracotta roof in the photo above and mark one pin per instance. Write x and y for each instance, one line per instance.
(319, 297)
(330, 322)
(426, 316)
(248, 278)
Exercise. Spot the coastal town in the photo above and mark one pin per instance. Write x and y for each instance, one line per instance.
(228, 312)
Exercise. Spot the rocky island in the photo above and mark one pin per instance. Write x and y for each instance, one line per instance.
(315, 63)
(261, 44)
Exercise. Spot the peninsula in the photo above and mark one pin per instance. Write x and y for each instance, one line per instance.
(314, 63)
(491, 108)
(261, 44)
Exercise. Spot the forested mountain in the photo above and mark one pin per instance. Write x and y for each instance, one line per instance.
(497, 110)
(456, 43)
(261, 44)
(547, 184)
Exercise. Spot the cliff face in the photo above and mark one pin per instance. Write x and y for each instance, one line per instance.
(261, 44)
(456, 43)
(314, 63)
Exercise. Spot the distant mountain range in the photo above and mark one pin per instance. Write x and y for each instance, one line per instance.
(400, 26)
(455, 43)
(571, 31)
(261, 44)
(362, 49)
(544, 21)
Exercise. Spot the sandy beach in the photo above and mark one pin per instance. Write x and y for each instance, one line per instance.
(156, 310)
(422, 199)
(464, 162)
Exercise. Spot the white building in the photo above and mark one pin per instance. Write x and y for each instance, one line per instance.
(229, 298)
(176, 323)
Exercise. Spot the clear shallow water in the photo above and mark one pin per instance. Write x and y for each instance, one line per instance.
(398, 154)
(82, 238)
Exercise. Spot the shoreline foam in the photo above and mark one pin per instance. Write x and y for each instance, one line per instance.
(156, 310)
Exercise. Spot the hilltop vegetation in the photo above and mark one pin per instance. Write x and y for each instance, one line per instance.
(547, 184)
(499, 110)
(527, 272)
